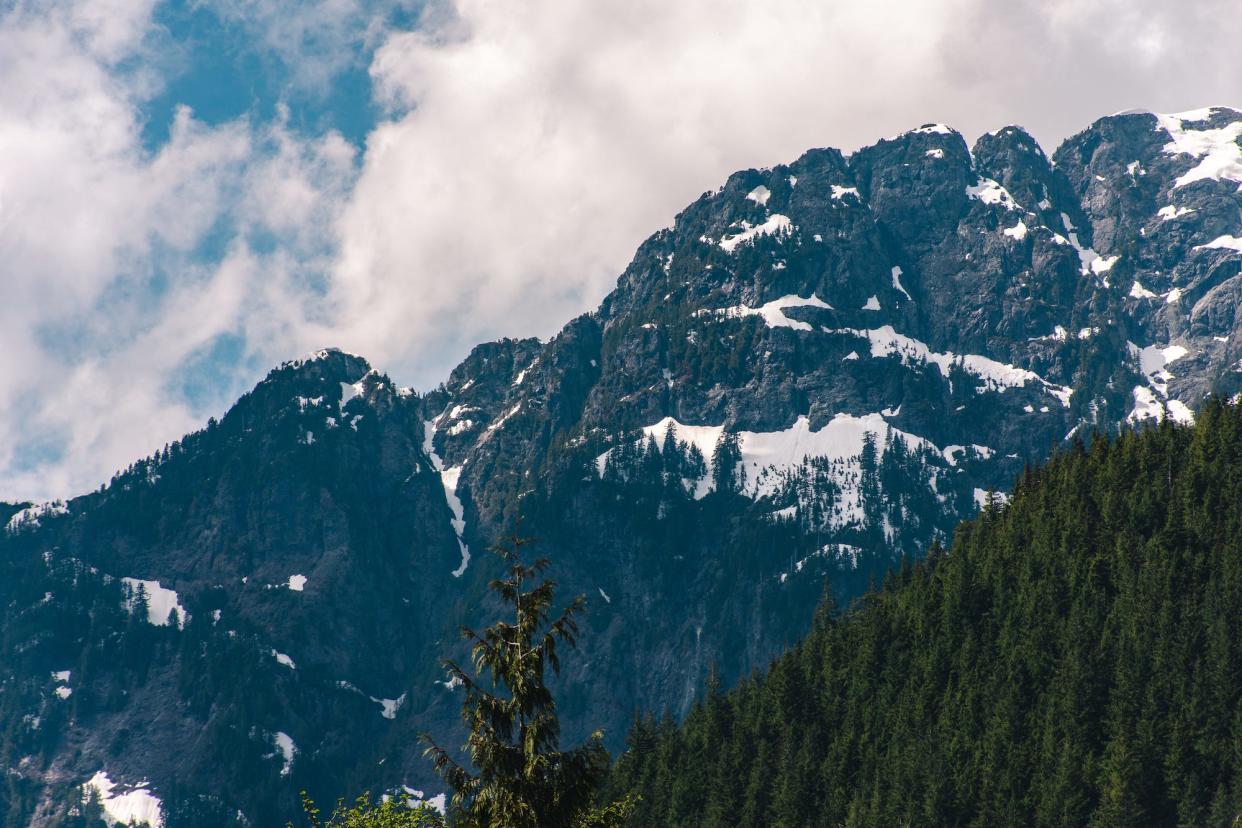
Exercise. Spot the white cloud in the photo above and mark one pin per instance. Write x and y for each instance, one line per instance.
(108, 292)
(536, 144)
(528, 148)
(546, 140)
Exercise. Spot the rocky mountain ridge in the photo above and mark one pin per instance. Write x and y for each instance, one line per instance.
(818, 369)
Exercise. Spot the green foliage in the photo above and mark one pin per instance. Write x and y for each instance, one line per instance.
(613, 815)
(1073, 660)
(523, 779)
(392, 812)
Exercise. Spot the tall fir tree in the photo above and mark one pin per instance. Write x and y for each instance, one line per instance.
(521, 777)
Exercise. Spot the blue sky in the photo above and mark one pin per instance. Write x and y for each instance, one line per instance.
(220, 64)
(219, 60)
(192, 191)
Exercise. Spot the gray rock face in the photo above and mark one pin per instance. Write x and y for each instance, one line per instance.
(890, 334)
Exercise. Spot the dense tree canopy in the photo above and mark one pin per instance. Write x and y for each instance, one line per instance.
(1074, 659)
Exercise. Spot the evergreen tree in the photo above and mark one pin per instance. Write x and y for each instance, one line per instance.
(521, 778)
(671, 452)
(728, 477)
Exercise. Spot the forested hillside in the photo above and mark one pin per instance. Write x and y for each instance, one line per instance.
(1074, 659)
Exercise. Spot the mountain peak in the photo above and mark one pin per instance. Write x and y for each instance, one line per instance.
(330, 359)
(925, 129)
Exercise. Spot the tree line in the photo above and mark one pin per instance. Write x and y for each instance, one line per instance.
(1073, 659)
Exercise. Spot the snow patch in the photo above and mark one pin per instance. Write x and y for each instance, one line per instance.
(1087, 257)
(521, 375)
(297, 583)
(32, 516)
(449, 683)
(125, 805)
(438, 801)
(460, 427)
(349, 391)
(704, 438)
(990, 192)
(1180, 412)
(766, 456)
(604, 595)
(926, 129)
(315, 356)
(1153, 360)
(389, 707)
(1103, 264)
(1137, 291)
(287, 750)
(775, 225)
(759, 195)
(1146, 405)
(1219, 149)
(982, 497)
(839, 192)
(897, 283)
(503, 418)
(1059, 334)
(873, 304)
(1152, 400)
(773, 312)
(160, 602)
(1018, 231)
(1222, 243)
(281, 658)
(996, 376)
(950, 453)
(449, 479)
(1169, 212)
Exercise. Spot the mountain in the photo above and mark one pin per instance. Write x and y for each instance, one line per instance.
(1071, 660)
(817, 371)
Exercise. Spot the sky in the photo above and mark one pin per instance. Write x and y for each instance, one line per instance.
(192, 191)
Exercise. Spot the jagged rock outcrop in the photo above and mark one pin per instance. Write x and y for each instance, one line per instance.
(878, 338)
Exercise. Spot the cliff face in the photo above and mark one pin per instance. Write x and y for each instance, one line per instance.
(880, 339)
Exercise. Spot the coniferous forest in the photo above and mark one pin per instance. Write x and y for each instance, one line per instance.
(1075, 658)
